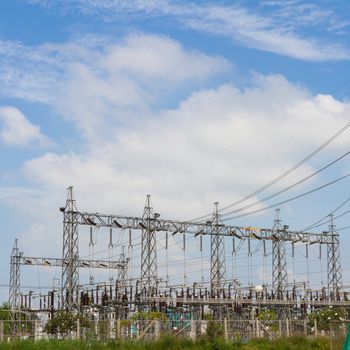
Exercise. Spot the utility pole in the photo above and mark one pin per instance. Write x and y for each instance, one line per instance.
(334, 272)
(14, 291)
(217, 260)
(149, 276)
(279, 262)
(70, 254)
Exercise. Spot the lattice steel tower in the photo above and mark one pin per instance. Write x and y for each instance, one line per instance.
(149, 276)
(14, 290)
(334, 272)
(279, 261)
(217, 260)
(70, 254)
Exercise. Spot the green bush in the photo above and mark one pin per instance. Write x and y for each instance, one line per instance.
(64, 323)
(325, 316)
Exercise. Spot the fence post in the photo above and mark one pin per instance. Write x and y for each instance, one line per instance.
(225, 329)
(157, 329)
(117, 329)
(287, 326)
(1, 330)
(78, 328)
(280, 327)
(193, 333)
(36, 330)
(258, 329)
(315, 327)
(111, 334)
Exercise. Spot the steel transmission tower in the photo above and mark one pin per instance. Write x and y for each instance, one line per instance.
(217, 261)
(279, 262)
(149, 275)
(14, 291)
(334, 271)
(70, 254)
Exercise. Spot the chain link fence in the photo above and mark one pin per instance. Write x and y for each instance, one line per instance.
(231, 330)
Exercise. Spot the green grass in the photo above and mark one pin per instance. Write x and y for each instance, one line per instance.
(170, 343)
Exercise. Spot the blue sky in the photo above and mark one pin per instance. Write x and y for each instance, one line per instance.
(193, 102)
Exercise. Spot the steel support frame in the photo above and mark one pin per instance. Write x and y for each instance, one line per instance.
(149, 276)
(334, 272)
(70, 253)
(14, 290)
(279, 260)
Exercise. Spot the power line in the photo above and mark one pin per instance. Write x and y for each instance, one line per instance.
(286, 173)
(321, 222)
(287, 188)
(290, 199)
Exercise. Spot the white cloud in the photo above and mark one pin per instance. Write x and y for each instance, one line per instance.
(157, 57)
(16, 129)
(120, 86)
(280, 31)
(264, 33)
(218, 144)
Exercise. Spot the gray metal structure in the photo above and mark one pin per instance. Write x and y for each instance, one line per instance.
(334, 272)
(82, 263)
(149, 275)
(70, 253)
(18, 259)
(279, 262)
(217, 257)
(219, 296)
(198, 228)
(14, 290)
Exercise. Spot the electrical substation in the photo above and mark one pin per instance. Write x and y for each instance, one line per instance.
(138, 283)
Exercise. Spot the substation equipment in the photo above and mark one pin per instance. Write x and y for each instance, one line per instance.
(221, 297)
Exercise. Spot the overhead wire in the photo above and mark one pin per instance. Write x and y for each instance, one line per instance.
(283, 175)
(288, 187)
(320, 223)
(289, 199)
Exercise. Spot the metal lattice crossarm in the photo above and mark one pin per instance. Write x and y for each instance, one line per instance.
(196, 228)
(96, 264)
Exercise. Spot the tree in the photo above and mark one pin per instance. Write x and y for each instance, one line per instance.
(325, 316)
(64, 323)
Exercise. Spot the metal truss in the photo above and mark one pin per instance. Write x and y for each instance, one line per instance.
(18, 260)
(96, 264)
(70, 253)
(149, 275)
(150, 224)
(217, 263)
(196, 228)
(217, 260)
(279, 262)
(14, 291)
(334, 271)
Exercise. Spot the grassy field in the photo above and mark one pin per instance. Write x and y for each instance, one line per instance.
(169, 343)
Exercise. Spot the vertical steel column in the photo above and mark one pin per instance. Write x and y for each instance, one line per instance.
(70, 254)
(14, 290)
(217, 260)
(121, 308)
(149, 276)
(334, 272)
(279, 262)
(217, 264)
(122, 272)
